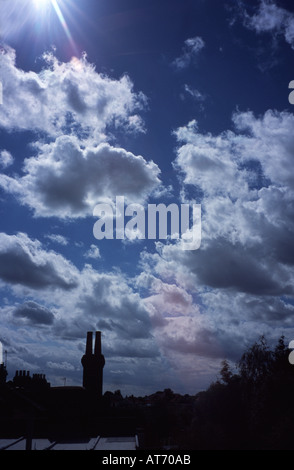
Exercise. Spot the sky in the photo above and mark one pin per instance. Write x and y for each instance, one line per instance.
(161, 102)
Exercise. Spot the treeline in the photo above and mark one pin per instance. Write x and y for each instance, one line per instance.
(250, 406)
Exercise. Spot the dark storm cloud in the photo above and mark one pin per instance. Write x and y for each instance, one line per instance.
(34, 313)
(135, 349)
(247, 237)
(225, 265)
(23, 262)
(115, 307)
(18, 268)
(204, 344)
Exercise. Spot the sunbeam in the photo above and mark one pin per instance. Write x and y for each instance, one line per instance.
(62, 21)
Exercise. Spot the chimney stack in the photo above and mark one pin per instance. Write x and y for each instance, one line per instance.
(93, 364)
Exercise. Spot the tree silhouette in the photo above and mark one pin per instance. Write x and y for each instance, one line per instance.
(256, 362)
(250, 409)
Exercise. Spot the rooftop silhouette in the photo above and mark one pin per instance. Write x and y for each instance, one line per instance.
(249, 407)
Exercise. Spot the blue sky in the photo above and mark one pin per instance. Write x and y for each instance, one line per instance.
(169, 101)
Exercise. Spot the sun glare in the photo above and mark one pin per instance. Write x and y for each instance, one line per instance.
(44, 7)
(41, 3)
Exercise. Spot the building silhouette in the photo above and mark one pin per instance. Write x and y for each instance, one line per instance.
(93, 363)
(31, 410)
(3, 374)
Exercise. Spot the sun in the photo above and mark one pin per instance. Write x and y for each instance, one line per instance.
(42, 3)
(44, 7)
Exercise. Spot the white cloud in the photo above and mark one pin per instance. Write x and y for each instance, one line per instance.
(190, 52)
(237, 206)
(196, 94)
(209, 162)
(93, 252)
(219, 164)
(66, 180)
(243, 271)
(270, 141)
(66, 97)
(169, 299)
(60, 239)
(271, 18)
(268, 17)
(75, 106)
(6, 159)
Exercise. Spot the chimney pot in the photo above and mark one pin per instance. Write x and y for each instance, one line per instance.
(89, 345)
(98, 343)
